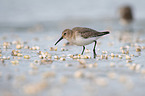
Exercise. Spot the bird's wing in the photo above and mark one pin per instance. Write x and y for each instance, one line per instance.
(87, 32)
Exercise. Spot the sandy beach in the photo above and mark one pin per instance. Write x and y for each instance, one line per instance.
(31, 65)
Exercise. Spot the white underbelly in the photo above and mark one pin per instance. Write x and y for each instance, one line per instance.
(81, 41)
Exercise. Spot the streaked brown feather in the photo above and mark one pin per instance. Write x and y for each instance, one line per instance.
(87, 32)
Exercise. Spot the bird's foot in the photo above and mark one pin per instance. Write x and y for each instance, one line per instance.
(95, 55)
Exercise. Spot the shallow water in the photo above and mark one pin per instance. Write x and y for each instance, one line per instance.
(105, 77)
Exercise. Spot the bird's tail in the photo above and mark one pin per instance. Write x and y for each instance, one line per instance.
(103, 33)
(106, 32)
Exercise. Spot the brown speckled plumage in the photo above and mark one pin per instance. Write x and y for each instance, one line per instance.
(87, 32)
(82, 36)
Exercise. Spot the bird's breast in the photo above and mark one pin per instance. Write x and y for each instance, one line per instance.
(80, 41)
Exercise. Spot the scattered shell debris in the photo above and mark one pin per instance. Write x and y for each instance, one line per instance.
(46, 61)
(27, 57)
(53, 49)
(48, 74)
(100, 81)
(79, 74)
(34, 88)
(112, 75)
(15, 62)
(138, 49)
(33, 66)
(36, 68)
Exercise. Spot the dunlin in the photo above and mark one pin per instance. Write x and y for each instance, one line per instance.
(126, 15)
(82, 36)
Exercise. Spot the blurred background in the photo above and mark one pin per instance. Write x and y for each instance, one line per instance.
(31, 27)
(50, 14)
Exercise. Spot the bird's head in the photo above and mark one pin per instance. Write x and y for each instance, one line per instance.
(65, 35)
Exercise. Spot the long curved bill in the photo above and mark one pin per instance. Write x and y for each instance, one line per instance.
(59, 40)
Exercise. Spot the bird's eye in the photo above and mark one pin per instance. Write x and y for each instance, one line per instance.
(64, 34)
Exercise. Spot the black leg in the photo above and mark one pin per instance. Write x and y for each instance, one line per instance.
(83, 50)
(94, 49)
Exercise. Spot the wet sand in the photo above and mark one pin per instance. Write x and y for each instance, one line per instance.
(31, 64)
